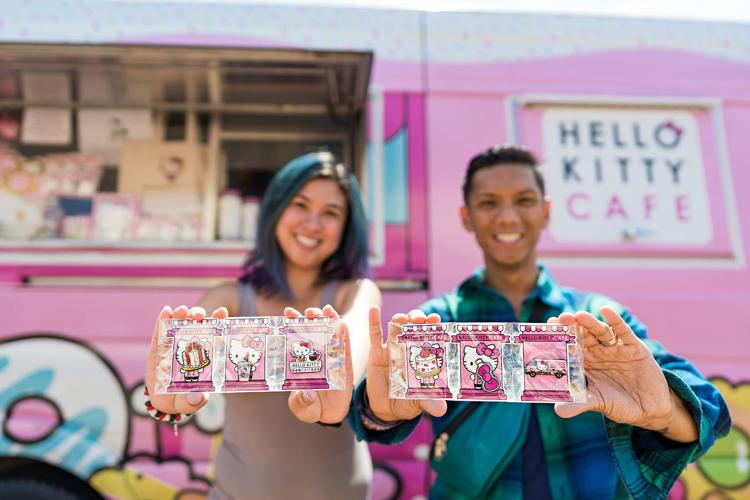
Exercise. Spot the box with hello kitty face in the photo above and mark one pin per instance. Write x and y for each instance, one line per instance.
(245, 342)
(307, 350)
(480, 348)
(514, 362)
(189, 359)
(422, 364)
(244, 354)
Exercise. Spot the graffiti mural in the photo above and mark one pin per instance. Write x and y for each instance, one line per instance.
(723, 472)
(110, 441)
(40, 378)
(106, 439)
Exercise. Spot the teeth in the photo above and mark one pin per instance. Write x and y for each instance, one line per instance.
(305, 241)
(508, 237)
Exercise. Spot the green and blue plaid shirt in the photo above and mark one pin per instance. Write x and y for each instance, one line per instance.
(587, 456)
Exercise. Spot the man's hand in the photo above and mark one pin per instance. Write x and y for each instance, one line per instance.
(328, 407)
(175, 403)
(625, 383)
(378, 371)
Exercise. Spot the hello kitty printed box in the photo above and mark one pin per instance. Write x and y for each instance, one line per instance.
(516, 362)
(250, 354)
(245, 341)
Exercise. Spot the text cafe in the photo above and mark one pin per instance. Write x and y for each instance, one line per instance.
(626, 174)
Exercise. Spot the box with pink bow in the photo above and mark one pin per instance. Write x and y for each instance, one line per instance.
(250, 354)
(514, 362)
(481, 368)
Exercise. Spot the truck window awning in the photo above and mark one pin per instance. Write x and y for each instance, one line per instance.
(265, 81)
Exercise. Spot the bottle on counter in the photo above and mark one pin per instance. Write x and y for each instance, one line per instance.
(52, 219)
(250, 211)
(230, 215)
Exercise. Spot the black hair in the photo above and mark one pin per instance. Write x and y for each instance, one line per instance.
(501, 155)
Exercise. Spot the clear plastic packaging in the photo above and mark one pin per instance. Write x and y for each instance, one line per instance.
(250, 354)
(515, 362)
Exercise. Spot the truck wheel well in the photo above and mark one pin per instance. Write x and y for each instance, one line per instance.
(22, 468)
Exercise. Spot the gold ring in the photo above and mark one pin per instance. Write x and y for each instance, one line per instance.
(612, 341)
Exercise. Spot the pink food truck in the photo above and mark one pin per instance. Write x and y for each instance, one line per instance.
(554, 367)
(136, 138)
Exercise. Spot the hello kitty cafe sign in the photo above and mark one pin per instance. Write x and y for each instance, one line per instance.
(624, 174)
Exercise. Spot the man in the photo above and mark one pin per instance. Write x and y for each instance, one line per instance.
(648, 415)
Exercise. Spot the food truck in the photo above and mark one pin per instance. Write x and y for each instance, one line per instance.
(137, 137)
(556, 367)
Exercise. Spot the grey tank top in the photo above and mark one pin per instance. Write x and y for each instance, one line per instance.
(267, 453)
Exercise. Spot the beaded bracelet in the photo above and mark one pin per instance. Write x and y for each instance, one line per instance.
(171, 418)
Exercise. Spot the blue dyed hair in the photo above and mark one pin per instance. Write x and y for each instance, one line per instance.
(264, 268)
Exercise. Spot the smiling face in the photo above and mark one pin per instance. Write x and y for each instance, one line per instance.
(241, 354)
(507, 213)
(311, 226)
(300, 350)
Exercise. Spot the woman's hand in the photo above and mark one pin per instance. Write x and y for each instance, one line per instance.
(328, 407)
(378, 371)
(625, 383)
(175, 403)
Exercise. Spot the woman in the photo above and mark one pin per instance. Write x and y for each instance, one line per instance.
(312, 250)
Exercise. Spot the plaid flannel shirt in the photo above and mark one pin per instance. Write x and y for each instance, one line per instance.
(587, 456)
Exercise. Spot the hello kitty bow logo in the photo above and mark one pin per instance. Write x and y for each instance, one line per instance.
(253, 343)
(487, 350)
(305, 343)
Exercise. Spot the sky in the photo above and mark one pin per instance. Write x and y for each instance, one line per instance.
(713, 10)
